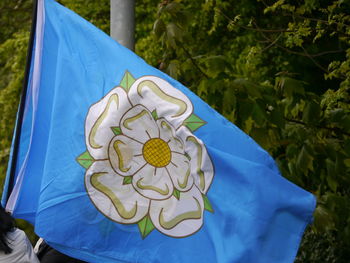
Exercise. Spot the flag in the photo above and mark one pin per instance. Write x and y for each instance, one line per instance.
(118, 162)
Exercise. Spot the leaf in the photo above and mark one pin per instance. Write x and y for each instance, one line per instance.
(347, 147)
(323, 219)
(305, 160)
(330, 165)
(332, 182)
(194, 122)
(176, 193)
(258, 114)
(215, 65)
(341, 118)
(145, 226)
(347, 162)
(116, 130)
(277, 117)
(259, 135)
(291, 86)
(173, 7)
(245, 109)
(127, 180)
(127, 81)
(311, 112)
(336, 115)
(248, 125)
(173, 31)
(229, 100)
(203, 87)
(173, 68)
(154, 115)
(207, 204)
(159, 28)
(85, 160)
(251, 88)
(291, 150)
(345, 124)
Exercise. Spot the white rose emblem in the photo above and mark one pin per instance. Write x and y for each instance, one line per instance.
(143, 163)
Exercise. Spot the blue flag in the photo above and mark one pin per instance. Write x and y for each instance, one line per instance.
(118, 162)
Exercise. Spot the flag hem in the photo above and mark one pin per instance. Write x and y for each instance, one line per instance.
(34, 83)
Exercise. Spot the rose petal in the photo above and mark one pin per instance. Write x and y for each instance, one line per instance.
(125, 155)
(202, 169)
(118, 202)
(180, 172)
(178, 218)
(158, 94)
(167, 133)
(138, 123)
(153, 183)
(103, 115)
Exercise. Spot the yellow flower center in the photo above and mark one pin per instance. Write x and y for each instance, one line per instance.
(156, 152)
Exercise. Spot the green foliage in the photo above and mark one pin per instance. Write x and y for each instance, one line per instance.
(13, 46)
(280, 70)
(97, 12)
(15, 16)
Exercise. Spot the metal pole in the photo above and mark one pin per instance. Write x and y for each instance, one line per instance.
(123, 22)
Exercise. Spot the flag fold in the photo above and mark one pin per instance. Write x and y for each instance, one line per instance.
(118, 162)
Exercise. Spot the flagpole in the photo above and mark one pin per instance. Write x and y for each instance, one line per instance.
(123, 22)
(18, 125)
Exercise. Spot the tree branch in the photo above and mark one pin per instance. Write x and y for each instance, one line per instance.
(272, 43)
(306, 54)
(314, 61)
(321, 20)
(254, 29)
(193, 61)
(318, 126)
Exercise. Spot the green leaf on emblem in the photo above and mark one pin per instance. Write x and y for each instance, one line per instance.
(145, 226)
(154, 115)
(85, 160)
(207, 204)
(127, 81)
(194, 122)
(127, 180)
(176, 193)
(116, 130)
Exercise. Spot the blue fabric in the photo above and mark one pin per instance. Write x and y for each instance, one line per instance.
(26, 127)
(258, 215)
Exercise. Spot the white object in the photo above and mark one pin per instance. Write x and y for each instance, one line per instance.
(22, 249)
